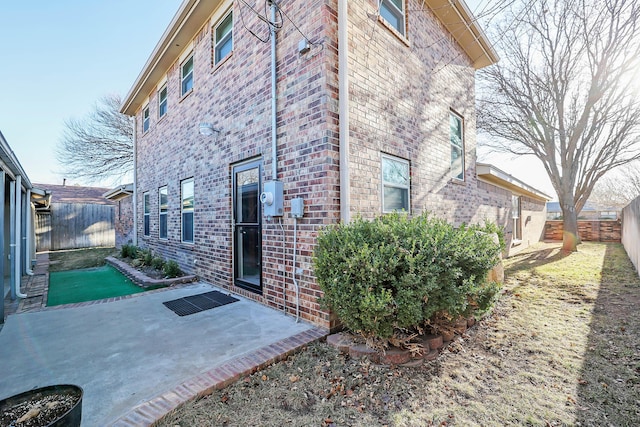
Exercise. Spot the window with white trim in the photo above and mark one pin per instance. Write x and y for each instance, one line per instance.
(163, 209)
(516, 213)
(145, 119)
(456, 136)
(186, 76)
(162, 101)
(395, 184)
(393, 12)
(147, 214)
(188, 204)
(223, 42)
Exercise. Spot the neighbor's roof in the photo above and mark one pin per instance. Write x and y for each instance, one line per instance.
(76, 194)
(193, 14)
(489, 173)
(119, 193)
(10, 163)
(588, 207)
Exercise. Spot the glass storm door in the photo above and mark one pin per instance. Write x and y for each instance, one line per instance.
(247, 226)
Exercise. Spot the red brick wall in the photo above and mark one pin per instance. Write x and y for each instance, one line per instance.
(401, 93)
(124, 221)
(589, 230)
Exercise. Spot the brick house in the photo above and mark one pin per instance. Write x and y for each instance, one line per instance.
(374, 113)
(122, 196)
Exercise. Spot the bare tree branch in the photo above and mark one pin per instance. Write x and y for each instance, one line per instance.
(99, 146)
(564, 92)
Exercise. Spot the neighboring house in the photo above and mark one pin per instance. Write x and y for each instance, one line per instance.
(76, 217)
(237, 194)
(514, 205)
(589, 211)
(122, 196)
(17, 250)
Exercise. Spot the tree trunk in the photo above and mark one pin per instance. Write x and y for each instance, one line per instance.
(570, 236)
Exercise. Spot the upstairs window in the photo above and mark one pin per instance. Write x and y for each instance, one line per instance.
(186, 74)
(457, 146)
(223, 39)
(393, 12)
(145, 119)
(188, 203)
(147, 211)
(162, 101)
(395, 184)
(163, 208)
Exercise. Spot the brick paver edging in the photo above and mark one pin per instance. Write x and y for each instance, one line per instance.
(147, 413)
(142, 279)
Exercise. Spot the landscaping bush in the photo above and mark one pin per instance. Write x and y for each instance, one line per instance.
(396, 272)
(171, 269)
(157, 263)
(128, 251)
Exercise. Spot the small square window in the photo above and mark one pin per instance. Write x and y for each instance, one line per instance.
(456, 136)
(145, 119)
(186, 73)
(393, 12)
(223, 39)
(395, 184)
(162, 101)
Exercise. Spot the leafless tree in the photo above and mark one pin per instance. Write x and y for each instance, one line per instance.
(566, 91)
(619, 188)
(98, 147)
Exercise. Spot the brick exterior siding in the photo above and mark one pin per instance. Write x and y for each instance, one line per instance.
(402, 91)
(124, 221)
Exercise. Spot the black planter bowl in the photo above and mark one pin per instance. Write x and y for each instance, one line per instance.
(71, 418)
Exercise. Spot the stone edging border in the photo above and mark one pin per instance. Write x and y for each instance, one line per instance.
(149, 412)
(142, 279)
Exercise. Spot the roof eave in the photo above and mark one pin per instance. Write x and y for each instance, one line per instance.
(464, 28)
(491, 174)
(189, 18)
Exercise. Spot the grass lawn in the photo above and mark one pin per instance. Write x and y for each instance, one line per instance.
(562, 347)
(74, 259)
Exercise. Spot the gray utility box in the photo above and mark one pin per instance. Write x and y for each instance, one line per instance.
(272, 199)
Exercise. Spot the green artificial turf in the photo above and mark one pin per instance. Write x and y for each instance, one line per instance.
(89, 284)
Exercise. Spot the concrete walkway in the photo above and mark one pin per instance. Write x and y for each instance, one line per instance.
(136, 359)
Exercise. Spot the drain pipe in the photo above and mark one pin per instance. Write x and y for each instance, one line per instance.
(29, 224)
(135, 184)
(18, 238)
(343, 111)
(295, 281)
(274, 104)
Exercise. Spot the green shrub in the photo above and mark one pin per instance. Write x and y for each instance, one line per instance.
(128, 251)
(157, 263)
(171, 269)
(145, 256)
(396, 272)
(491, 227)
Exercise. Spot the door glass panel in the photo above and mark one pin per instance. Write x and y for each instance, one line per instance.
(248, 262)
(247, 187)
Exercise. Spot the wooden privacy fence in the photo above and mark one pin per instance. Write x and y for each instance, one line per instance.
(75, 225)
(589, 230)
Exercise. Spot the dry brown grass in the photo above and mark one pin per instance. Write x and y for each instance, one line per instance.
(562, 347)
(75, 259)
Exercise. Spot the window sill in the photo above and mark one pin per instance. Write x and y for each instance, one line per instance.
(224, 60)
(186, 95)
(458, 181)
(393, 30)
(516, 243)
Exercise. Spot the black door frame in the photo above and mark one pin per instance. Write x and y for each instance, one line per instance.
(240, 226)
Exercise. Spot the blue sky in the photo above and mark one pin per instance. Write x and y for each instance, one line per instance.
(59, 57)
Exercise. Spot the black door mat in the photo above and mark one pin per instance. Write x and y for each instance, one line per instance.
(197, 303)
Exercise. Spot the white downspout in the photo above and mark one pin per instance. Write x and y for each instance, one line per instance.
(274, 94)
(135, 184)
(343, 111)
(29, 224)
(18, 253)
